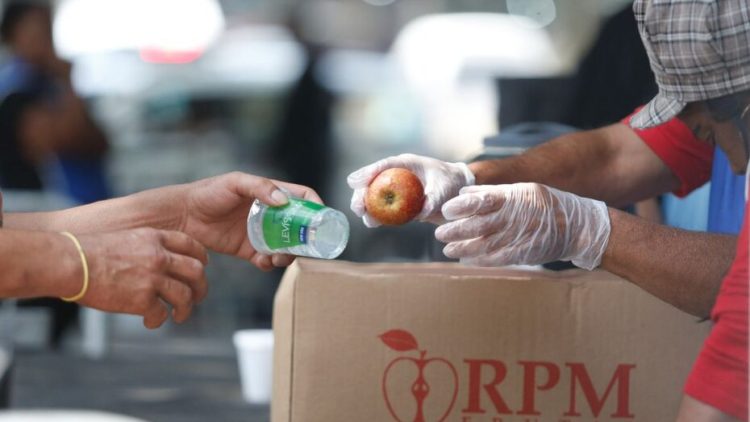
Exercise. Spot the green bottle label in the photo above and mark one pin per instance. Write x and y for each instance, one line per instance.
(286, 226)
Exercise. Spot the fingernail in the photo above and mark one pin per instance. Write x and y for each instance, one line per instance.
(279, 198)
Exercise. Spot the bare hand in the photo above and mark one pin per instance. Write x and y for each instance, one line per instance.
(215, 213)
(144, 271)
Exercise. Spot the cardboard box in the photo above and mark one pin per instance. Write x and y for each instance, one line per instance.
(443, 342)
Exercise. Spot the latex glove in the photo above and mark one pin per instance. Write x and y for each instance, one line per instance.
(441, 181)
(525, 223)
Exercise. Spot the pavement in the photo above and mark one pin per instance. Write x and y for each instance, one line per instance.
(177, 380)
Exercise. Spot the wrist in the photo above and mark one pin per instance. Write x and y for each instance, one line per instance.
(594, 237)
(493, 172)
(619, 221)
(73, 269)
(469, 177)
(59, 275)
(162, 208)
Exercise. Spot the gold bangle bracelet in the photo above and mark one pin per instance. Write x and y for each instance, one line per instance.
(85, 265)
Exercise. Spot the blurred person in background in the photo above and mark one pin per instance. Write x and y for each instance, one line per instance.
(144, 254)
(41, 116)
(700, 53)
(44, 125)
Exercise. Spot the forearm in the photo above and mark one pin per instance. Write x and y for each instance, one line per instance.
(157, 208)
(682, 268)
(38, 264)
(610, 164)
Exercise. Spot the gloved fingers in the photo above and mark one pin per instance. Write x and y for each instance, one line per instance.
(497, 259)
(469, 228)
(465, 248)
(370, 221)
(358, 202)
(479, 188)
(481, 245)
(438, 187)
(436, 219)
(510, 255)
(525, 192)
(474, 202)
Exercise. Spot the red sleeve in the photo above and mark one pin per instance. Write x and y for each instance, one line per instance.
(688, 157)
(720, 375)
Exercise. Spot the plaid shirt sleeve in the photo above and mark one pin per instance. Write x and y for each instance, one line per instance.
(686, 156)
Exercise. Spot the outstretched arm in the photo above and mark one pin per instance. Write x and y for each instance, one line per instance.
(213, 211)
(529, 223)
(611, 164)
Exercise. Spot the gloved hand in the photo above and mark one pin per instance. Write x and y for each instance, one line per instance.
(524, 223)
(441, 181)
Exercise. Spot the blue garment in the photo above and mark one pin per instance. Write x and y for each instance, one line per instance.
(18, 76)
(726, 207)
(690, 212)
(82, 179)
(717, 207)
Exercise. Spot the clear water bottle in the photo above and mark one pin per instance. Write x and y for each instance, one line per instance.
(300, 227)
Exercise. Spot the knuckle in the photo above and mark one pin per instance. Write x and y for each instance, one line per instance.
(148, 290)
(238, 178)
(178, 293)
(184, 296)
(143, 304)
(158, 260)
(147, 232)
(198, 271)
(157, 313)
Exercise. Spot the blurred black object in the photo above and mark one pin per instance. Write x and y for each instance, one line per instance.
(612, 80)
(303, 147)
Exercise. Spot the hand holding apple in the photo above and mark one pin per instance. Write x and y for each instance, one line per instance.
(441, 181)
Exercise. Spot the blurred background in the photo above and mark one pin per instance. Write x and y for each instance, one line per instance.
(301, 90)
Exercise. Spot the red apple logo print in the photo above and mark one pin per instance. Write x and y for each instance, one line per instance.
(423, 373)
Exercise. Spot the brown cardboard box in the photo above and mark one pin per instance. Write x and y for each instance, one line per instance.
(443, 342)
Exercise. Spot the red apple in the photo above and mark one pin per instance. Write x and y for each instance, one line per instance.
(395, 197)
